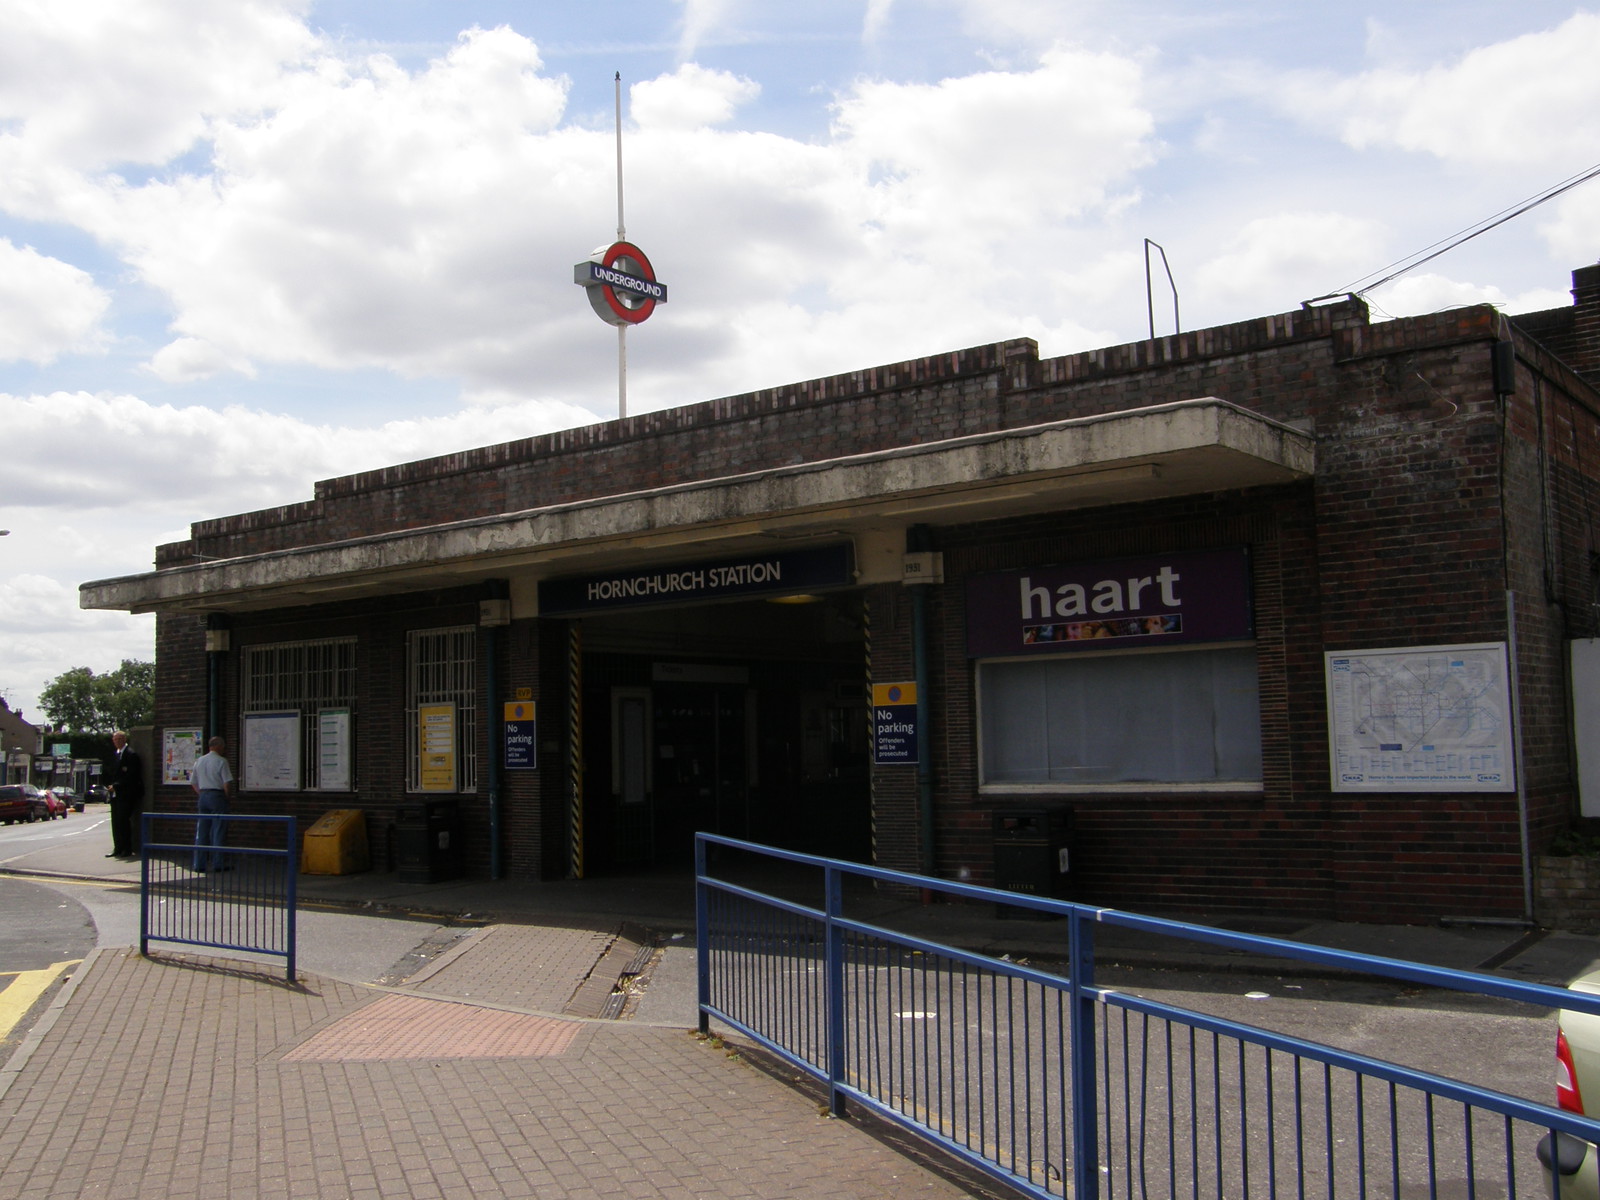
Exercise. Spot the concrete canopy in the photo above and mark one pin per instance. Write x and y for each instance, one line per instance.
(1184, 448)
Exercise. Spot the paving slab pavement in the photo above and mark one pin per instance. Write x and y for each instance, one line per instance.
(662, 902)
(480, 1074)
(182, 1076)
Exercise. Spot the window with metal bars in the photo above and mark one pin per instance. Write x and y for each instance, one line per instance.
(442, 668)
(308, 678)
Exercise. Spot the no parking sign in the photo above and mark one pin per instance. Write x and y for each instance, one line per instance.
(894, 723)
(522, 736)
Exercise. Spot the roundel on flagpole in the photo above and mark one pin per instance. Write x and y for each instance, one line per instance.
(622, 285)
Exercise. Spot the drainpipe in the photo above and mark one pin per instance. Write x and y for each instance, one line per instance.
(1503, 368)
(217, 641)
(927, 570)
(1520, 777)
(494, 614)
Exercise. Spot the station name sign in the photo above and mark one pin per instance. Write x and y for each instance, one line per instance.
(787, 572)
(1124, 603)
(593, 274)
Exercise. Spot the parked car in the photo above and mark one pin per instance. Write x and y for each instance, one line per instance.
(19, 802)
(98, 793)
(70, 800)
(1577, 1076)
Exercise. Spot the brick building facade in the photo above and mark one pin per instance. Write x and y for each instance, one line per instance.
(699, 600)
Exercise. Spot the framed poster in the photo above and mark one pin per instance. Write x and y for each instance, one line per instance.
(271, 751)
(179, 749)
(436, 747)
(1420, 719)
(333, 749)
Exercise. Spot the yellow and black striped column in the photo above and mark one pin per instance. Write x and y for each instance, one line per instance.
(575, 744)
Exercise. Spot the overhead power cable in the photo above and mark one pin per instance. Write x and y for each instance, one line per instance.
(1411, 262)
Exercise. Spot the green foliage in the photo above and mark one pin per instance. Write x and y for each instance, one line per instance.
(127, 696)
(80, 701)
(1575, 843)
(68, 700)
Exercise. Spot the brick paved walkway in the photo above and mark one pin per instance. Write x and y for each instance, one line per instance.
(187, 1078)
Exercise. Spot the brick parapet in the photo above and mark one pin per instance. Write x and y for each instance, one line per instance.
(1433, 497)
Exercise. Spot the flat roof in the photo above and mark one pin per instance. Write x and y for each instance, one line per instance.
(1186, 447)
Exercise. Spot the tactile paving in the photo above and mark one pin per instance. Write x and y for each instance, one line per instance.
(401, 1027)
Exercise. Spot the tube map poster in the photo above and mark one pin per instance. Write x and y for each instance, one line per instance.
(1423, 719)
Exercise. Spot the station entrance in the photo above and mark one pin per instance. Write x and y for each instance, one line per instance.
(744, 719)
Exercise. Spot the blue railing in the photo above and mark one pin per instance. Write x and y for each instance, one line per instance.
(1060, 1087)
(243, 899)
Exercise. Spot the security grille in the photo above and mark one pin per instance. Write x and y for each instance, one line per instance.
(442, 668)
(302, 677)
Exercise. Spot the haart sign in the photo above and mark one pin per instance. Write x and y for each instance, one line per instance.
(1124, 603)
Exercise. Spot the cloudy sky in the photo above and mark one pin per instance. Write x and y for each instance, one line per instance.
(249, 245)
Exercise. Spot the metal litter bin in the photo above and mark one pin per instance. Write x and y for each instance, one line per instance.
(427, 842)
(1033, 851)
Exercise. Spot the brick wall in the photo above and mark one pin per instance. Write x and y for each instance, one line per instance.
(977, 390)
(380, 627)
(1433, 497)
(1568, 893)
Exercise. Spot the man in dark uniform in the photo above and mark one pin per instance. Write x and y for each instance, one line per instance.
(126, 784)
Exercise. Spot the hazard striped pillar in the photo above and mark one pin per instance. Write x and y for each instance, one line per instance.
(575, 744)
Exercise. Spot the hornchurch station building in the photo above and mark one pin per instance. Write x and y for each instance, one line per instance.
(1298, 612)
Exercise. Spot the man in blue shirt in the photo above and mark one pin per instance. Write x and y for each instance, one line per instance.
(212, 782)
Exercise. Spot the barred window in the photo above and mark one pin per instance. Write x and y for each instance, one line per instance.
(308, 678)
(441, 670)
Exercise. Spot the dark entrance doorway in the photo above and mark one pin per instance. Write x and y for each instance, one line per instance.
(748, 720)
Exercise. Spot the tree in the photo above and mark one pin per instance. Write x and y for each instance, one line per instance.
(80, 701)
(68, 700)
(127, 696)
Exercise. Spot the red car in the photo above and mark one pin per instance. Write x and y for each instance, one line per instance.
(21, 802)
(62, 801)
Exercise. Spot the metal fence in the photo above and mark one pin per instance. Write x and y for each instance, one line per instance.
(1060, 1087)
(245, 902)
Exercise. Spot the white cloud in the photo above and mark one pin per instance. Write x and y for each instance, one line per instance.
(258, 202)
(1022, 21)
(876, 18)
(44, 632)
(422, 221)
(1275, 255)
(199, 461)
(47, 307)
(145, 472)
(1525, 101)
(972, 157)
(701, 18)
(692, 97)
(92, 84)
(1572, 229)
(1427, 293)
(184, 360)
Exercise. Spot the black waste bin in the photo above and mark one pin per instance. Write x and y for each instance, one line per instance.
(427, 843)
(1033, 852)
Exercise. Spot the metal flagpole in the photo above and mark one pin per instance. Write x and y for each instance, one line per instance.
(622, 236)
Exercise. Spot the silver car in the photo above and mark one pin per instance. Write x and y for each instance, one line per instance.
(1567, 1160)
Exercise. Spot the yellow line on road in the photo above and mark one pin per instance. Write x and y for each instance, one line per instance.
(23, 992)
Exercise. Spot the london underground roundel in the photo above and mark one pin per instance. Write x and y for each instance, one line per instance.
(622, 285)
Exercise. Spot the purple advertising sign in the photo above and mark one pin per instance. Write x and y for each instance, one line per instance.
(1156, 599)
